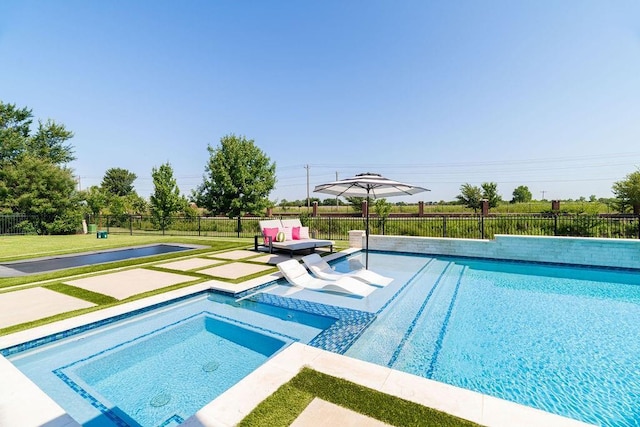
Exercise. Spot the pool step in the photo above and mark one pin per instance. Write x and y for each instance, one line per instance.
(379, 345)
(424, 338)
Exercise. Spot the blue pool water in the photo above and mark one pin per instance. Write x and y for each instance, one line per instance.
(160, 367)
(561, 339)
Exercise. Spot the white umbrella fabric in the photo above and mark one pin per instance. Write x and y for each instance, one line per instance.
(368, 185)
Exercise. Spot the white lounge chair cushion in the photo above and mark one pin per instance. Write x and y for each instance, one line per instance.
(323, 270)
(297, 275)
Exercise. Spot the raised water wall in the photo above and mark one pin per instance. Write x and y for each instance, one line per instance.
(624, 253)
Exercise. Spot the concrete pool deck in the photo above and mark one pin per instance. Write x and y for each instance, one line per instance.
(19, 396)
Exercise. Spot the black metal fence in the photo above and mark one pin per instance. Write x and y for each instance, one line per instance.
(18, 224)
(337, 228)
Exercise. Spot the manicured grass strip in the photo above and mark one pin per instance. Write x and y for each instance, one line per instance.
(72, 291)
(282, 407)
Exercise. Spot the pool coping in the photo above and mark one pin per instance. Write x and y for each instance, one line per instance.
(18, 401)
(240, 400)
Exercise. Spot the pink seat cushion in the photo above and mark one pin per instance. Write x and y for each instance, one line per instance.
(269, 232)
(295, 233)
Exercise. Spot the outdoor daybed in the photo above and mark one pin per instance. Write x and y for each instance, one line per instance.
(296, 237)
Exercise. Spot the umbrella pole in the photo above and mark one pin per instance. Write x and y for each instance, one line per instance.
(366, 252)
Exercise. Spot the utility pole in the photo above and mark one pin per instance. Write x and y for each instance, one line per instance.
(308, 200)
(543, 191)
(337, 203)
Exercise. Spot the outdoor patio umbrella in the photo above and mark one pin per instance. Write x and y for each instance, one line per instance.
(368, 185)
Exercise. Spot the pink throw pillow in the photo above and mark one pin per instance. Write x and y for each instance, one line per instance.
(295, 232)
(270, 232)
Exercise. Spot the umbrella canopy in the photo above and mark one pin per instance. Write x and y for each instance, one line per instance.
(368, 185)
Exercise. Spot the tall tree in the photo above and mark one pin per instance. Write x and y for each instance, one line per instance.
(118, 181)
(33, 177)
(490, 193)
(470, 196)
(96, 199)
(41, 189)
(238, 178)
(521, 194)
(165, 200)
(383, 209)
(627, 192)
(15, 125)
(356, 202)
(49, 142)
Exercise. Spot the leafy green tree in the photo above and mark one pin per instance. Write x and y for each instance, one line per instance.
(627, 192)
(33, 178)
(356, 203)
(521, 195)
(470, 196)
(37, 187)
(490, 193)
(16, 139)
(382, 209)
(49, 142)
(15, 125)
(96, 200)
(166, 199)
(118, 181)
(238, 178)
(136, 205)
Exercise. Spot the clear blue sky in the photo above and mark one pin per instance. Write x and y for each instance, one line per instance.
(543, 93)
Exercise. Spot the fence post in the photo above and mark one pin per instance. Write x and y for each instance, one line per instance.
(239, 226)
(482, 226)
(130, 225)
(555, 224)
(444, 226)
(199, 217)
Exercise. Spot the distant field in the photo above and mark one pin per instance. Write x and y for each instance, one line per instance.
(531, 207)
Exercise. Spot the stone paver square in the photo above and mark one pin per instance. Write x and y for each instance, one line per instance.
(273, 259)
(235, 255)
(234, 270)
(124, 284)
(321, 413)
(190, 264)
(35, 303)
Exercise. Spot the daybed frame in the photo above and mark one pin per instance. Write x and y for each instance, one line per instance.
(290, 246)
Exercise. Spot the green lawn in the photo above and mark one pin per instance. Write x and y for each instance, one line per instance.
(284, 406)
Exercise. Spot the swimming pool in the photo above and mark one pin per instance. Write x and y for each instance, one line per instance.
(42, 265)
(557, 338)
(161, 366)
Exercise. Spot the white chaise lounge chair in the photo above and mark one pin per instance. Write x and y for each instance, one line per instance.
(297, 275)
(321, 269)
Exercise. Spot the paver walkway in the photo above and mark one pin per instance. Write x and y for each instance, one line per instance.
(124, 284)
(31, 304)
